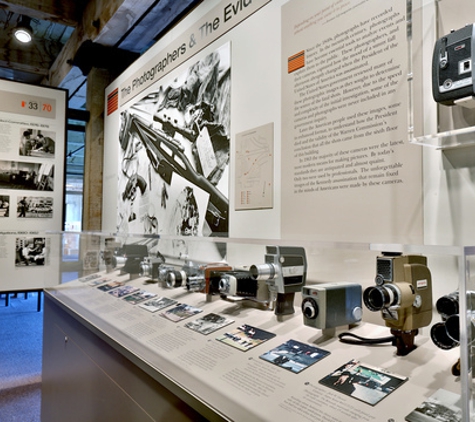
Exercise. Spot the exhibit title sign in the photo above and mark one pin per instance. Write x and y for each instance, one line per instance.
(208, 29)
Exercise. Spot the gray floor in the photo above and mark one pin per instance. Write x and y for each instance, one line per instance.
(21, 336)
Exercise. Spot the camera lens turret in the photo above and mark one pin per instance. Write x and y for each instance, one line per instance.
(379, 297)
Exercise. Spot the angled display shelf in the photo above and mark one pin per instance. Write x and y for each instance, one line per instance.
(143, 331)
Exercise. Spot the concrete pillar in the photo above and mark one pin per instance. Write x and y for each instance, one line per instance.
(97, 81)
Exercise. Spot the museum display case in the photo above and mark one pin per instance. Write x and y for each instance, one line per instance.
(440, 73)
(257, 329)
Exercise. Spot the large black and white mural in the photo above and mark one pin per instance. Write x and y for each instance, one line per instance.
(174, 153)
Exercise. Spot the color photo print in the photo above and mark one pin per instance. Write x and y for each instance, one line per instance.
(31, 251)
(363, 382)
(294, 355)
(174, 153)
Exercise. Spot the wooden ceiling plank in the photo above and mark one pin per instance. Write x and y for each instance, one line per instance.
(64, 12)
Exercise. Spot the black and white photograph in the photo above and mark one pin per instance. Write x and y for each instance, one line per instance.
(4, 206)
(34, 207)
(294, 355)
(37, 143)
(157, 304)
(139, 296)
(180, 312)
(245, 337)
(363, 382)
(442, 406)
(26, 176)
(209, 323)
(31, 251)
(174, 153)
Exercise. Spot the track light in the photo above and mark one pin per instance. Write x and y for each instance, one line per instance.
(23, 31)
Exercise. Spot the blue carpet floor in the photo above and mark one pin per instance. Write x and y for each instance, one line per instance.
(21, 337)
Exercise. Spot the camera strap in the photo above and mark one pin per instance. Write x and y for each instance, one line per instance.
(350, 338)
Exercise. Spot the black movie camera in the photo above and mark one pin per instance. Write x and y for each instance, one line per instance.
(452, 66)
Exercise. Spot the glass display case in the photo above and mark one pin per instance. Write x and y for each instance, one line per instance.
(259, 329)
(440, 75)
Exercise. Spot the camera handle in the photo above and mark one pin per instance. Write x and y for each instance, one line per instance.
(284, 304)
(404, 341)
(363, 341)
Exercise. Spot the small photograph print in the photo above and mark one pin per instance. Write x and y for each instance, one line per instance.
(111, 285)
(124, 291)
(245, 337)
(34, 207)
(208, 323)
(442, 406)
(37, 143)
(139, 296)
(31, 251)
(180, 312)
(157, 304)
(98, 282)
(363, 382)
(294, 356)
(4, 206)
(89, 277)
(26, 176)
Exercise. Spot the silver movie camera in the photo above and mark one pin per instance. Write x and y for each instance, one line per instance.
(285, 271)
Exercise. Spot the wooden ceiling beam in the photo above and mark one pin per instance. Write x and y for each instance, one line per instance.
(64, 12)
(96, 17)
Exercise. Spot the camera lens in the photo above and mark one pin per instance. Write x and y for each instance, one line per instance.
(175, 278)
(144, 270)
(452, 327)
(223, 285)
(379, 297)
(309, 308)
(440, 338)
(448, 305)
(263, 272)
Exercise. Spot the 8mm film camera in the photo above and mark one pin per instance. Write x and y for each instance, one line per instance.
(285, 271)
(403, 294)
(453, 66)
(331, 305)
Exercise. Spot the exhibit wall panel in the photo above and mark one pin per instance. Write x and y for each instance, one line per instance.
(252, 101)
(32, 155)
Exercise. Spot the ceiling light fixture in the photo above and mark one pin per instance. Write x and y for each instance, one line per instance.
(23, 31)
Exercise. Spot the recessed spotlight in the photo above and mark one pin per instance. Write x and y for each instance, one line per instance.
(23, 31)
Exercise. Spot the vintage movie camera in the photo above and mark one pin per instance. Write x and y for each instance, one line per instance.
(285, 272)
(129, 258)
(150, 267)
(197, 278)
(239, 285)
(331, 305)
(445, 334)
(453, 66)
(403, 294)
